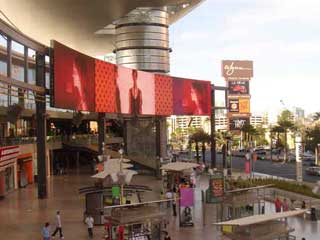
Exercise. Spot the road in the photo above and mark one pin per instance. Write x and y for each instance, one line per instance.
(287, 170)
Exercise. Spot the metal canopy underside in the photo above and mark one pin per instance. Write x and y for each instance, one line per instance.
(75, 22)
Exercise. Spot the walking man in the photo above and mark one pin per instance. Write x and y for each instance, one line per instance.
(89, 221)
(58, 226)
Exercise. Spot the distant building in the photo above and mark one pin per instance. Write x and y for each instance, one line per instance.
(298, 113)
(261, 120)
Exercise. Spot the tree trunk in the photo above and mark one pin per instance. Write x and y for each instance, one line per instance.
(204, 152)
(197, 152)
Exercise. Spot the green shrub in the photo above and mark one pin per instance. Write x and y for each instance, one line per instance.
(280, 184)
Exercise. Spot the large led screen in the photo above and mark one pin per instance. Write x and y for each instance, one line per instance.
(136, 91)
(238, 87)
(83, 83)
(74, 79)
(191, 97)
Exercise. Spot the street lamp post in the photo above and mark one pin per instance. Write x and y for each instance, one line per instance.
(121, 174)
(299, 156)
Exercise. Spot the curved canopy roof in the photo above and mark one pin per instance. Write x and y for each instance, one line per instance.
(77, 23)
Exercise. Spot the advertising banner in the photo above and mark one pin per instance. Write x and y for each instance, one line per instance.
(237, 69)
(237, 123)
(191, 97)
(186, 197)
(238, 87)
(244, 105)
(107, 94)
(74, 81)
(234, 105)
(137, 91)
(83, 83)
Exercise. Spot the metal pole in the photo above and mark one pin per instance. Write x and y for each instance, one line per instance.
(213, 129)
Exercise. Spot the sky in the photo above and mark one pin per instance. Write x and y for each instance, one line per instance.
(282, 37)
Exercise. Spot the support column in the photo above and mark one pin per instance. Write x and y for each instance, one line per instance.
(101, 130)
(41, 128)
(142, 42)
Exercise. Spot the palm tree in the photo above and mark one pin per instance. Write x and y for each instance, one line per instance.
(316, 116)
(249, 131)
(286, 123)
(199, 135)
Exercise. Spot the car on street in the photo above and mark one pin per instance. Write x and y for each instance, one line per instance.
(315, 171)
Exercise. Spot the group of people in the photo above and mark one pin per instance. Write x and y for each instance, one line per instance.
(284, 206)
(46, 231)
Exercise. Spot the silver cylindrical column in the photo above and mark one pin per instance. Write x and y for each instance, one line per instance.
(142, 40)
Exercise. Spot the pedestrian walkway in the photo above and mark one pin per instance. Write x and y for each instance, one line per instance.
(22, 215)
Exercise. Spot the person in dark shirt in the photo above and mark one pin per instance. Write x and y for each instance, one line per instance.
(135, 96)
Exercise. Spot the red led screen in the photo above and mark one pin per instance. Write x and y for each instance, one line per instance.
(86, 84)
(164, 96)
(191, 97)
(107, 93)
(74, 82)
(137, 91)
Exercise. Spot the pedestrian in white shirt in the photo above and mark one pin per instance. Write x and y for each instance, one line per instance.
(58, 226)
(89, 221)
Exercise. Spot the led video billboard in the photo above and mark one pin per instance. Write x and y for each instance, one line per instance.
(83, 83)
(74, 79)
(191, 97)
(238, 87)
(137, 91)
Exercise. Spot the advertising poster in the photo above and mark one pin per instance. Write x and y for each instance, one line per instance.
(106, 93)
(244, 105)
(237, 123)
(136, 91)
(164, 95)
(217, 187)
(191, 97)
(74, 81)
(237, 69)
(238, 87)
(186, 197)
(234, 105)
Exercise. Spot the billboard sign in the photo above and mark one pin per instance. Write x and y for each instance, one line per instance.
(238, 87)
(191, 97)
(244, 105)
(83, 83)
(238, 123)
(74, 79)
(237, 69)
(234, 105)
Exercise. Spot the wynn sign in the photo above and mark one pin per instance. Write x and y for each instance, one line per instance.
(237, 69)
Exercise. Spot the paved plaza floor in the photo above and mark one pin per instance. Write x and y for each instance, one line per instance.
(22, 215)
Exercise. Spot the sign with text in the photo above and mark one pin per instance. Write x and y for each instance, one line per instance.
(234, 68)
(238, 87)
(237, 123)
(234, 105)
(244, 105)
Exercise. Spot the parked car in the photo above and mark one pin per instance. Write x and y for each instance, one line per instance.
(261, 153)
(313, 171)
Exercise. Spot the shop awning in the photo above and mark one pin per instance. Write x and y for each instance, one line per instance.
(256, 219)
(179, 166)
